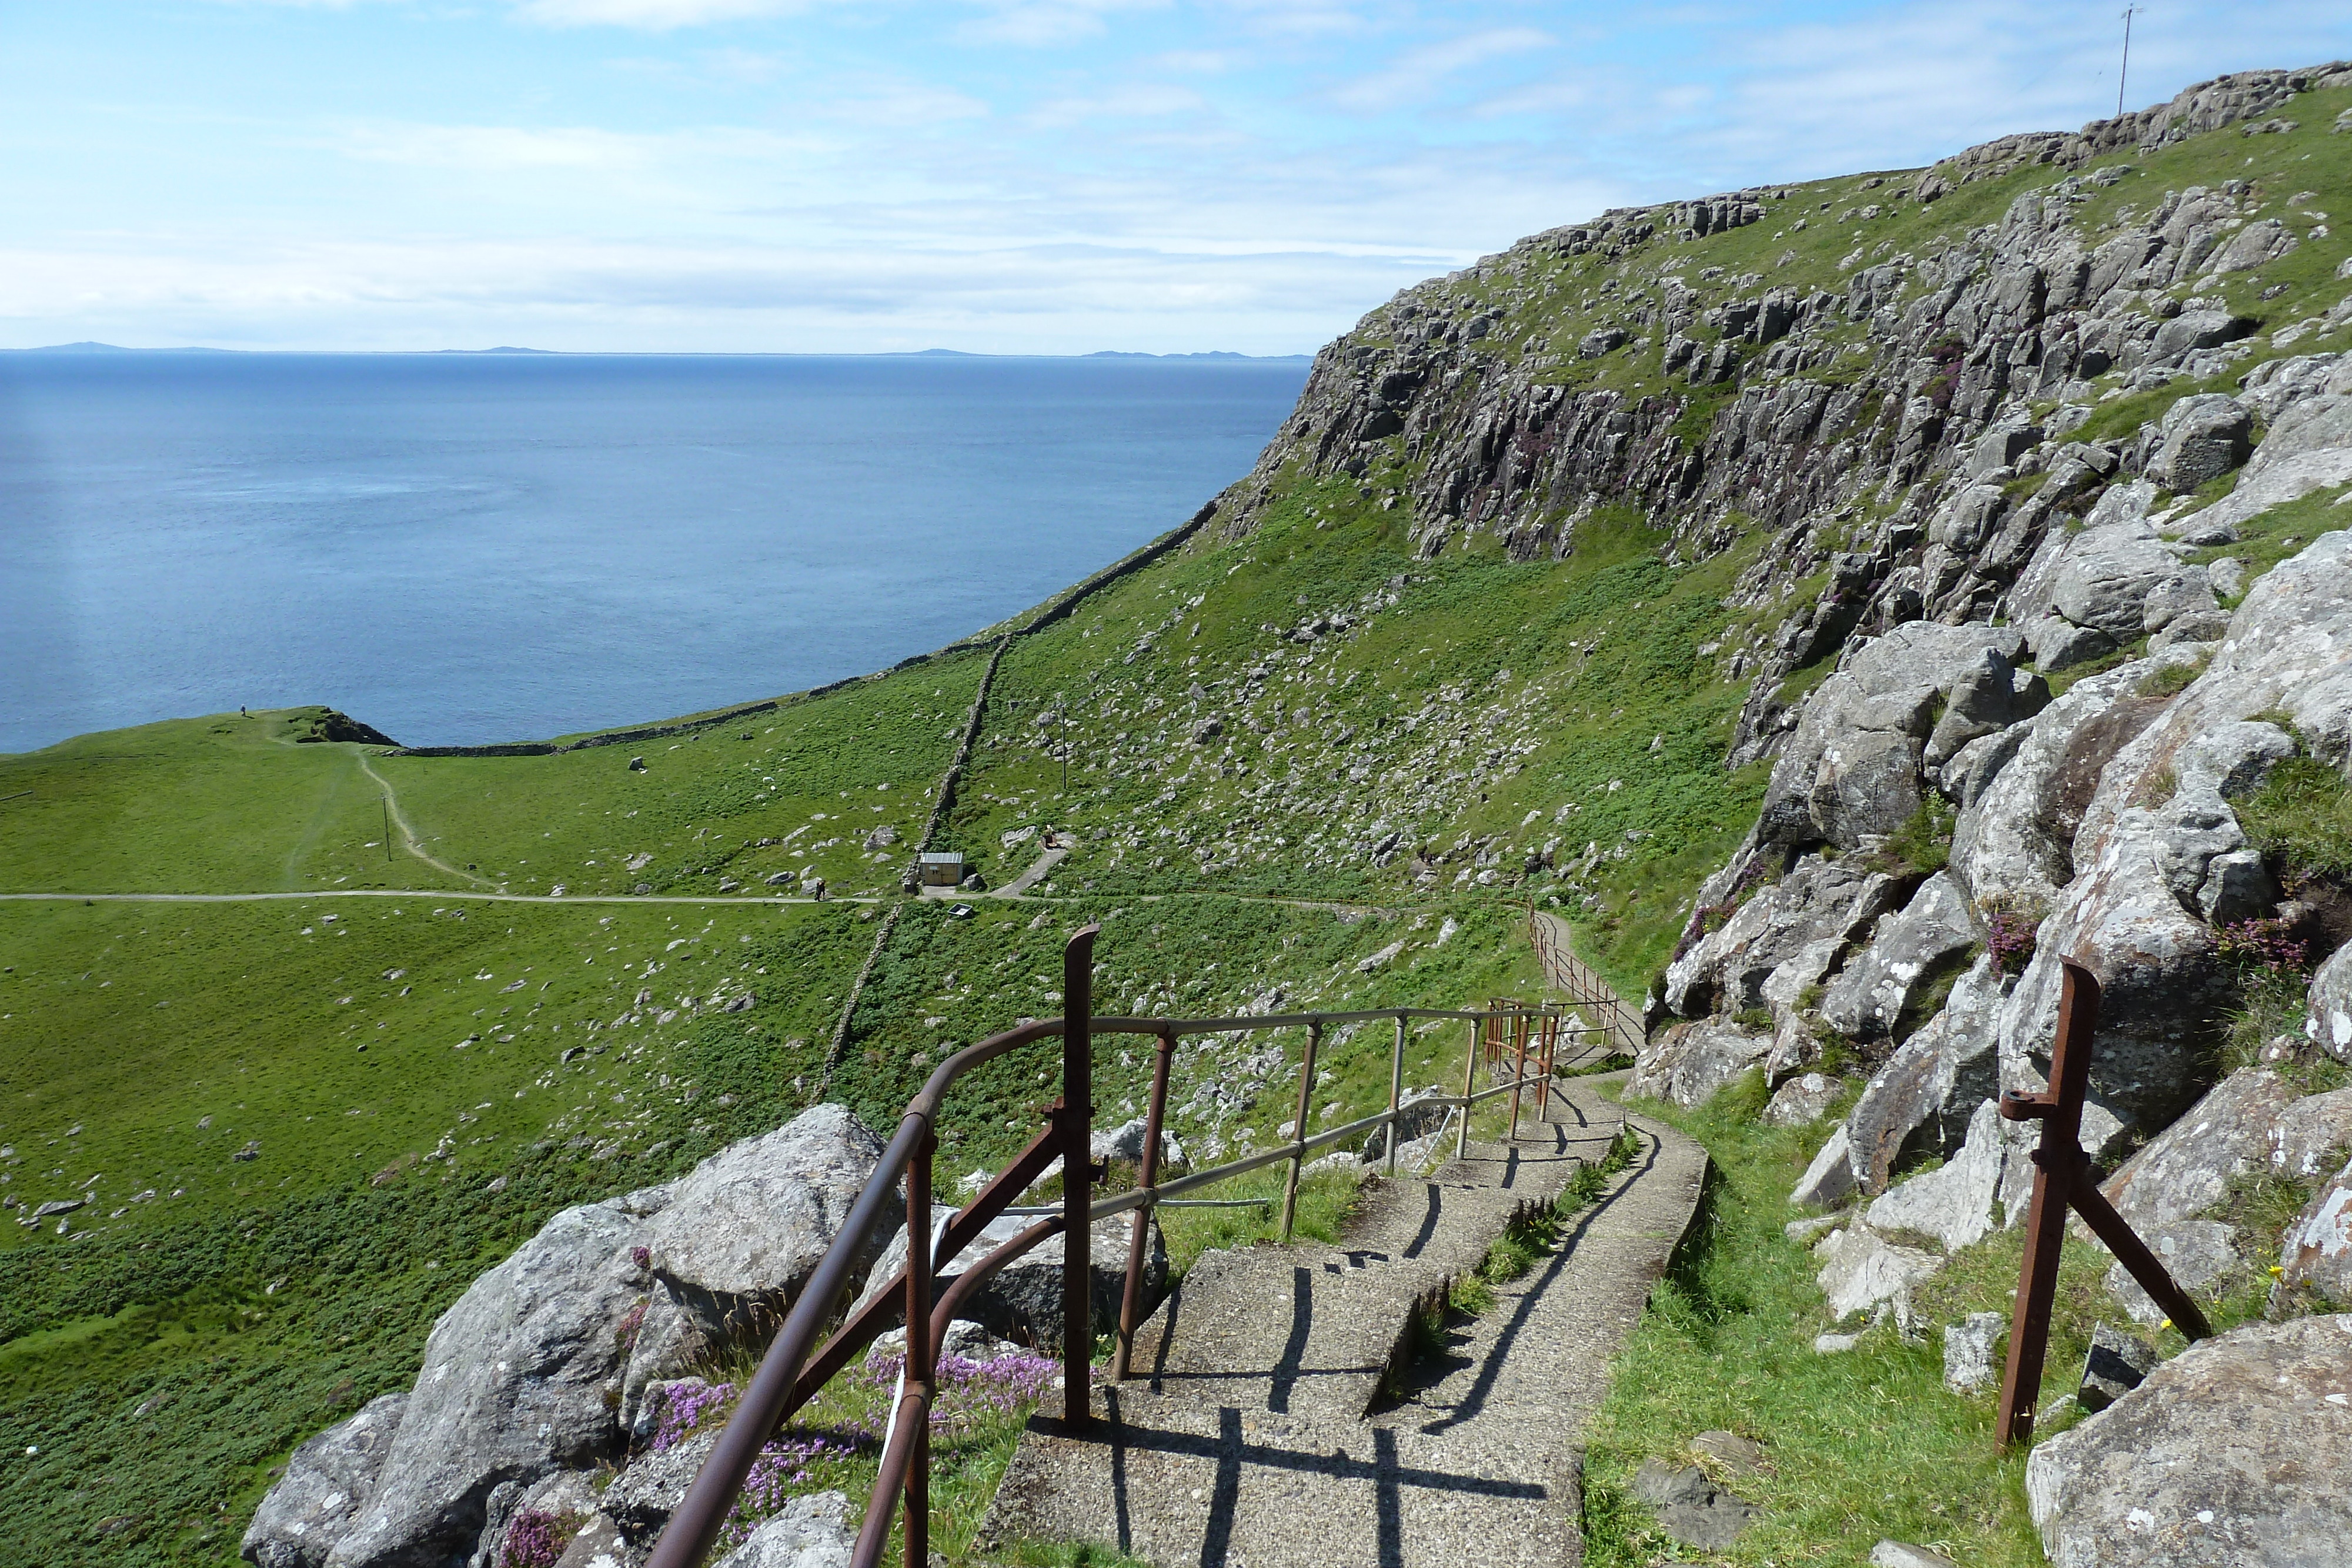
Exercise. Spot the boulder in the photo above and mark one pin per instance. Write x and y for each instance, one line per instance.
(740, 1235)
(1986, 698)
(2328, 1017)
(1922, 1102)
(641, 1499)
(2186, 1169)
(2194, 329)
(2187, 593)
(1906, 953)
(1688, 1062)
(601, 1544)
(2315, 1253)
(326, 1482)
(1962, 1201)
(1861, 1268)
(522, 1378)
(514, 1506)
(809, 1531)
(1968, 1351)
(2311, 1134)
(2057, 643)
(1828, 1180)
(1785, 936)
(2232, 1452)
(2106, 573)
(1023, 1301)
(1801, 1100)
(2202, 437)
(2197, 1253)
(2114, 1365)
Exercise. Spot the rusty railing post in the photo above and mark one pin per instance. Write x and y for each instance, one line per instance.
(1077, 1155)
(1298, 1128)
(1396, 1091)
(2062, 1178)
(1520, 1023)
(1469, 1082)
(1130, 1304)
(922, 1354)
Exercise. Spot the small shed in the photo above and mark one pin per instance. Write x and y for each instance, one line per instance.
(940, 868)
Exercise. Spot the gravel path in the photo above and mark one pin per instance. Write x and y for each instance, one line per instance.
(1260, 1436)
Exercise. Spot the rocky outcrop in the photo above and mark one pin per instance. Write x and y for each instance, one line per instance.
(1907, 952)
(2188, 1167)
(2315, 1253)
(2232, 1452)
(524, 1378)
(1021, 1301)
(2328, 1023)
(809, 1531)
(1687, 1064)
(327, 1481)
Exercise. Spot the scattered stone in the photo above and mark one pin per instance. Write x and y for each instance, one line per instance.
(636, 765)
(1805, 1232)
(1862, 1269)
(2114, 1365)
(2204, 437)
(600, 1545)
(1985, 1186)
(1969, 1350)
(1690, 1507)
(1901, 1554)
(2232, 1452)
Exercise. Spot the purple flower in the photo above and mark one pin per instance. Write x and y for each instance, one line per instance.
(536, 1539)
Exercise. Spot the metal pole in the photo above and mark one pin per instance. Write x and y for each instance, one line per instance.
(1130, 1306)
(1077, 1123)
(1298, 1128)
(1518, 1070)
(1396, 1091)
(2045, 1223)
(1469, 1080)
(922, 1358)
(2122, 74)
(386, 803)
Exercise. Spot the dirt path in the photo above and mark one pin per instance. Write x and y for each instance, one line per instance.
(413, 845)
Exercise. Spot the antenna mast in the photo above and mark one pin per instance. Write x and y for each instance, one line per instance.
(2129, 11)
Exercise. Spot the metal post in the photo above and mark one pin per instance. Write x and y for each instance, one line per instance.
(1130, 1304)
(922, 1357)
(1298, 1128)
(1077, 1124)
(2061, 1176)
(1469, 1080)
(1396, 1090)
(1518, 1070)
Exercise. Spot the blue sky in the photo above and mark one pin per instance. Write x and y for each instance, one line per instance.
(1046, 176)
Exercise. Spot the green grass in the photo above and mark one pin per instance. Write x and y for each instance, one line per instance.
(2303, 816)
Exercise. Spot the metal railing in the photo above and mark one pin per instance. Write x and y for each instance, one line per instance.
(789, 1377)
(1621, 1023)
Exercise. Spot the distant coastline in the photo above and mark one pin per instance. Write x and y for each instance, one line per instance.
(1219, 355)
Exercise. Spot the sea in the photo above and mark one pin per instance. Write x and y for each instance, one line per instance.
(462, 548)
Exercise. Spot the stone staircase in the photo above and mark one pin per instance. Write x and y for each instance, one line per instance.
(1276, 1417)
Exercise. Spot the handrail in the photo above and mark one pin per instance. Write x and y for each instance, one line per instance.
(788, 1377)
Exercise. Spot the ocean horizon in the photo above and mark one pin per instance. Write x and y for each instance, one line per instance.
(471, 547)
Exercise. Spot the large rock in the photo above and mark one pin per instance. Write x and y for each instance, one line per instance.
(2203, 437)
(2233, 1452)
(1828, 1181)
(2197, 1253)
(2315, 1253)
(2311, 1134)
(2188, 1168)
(740, 1236)
(1922, 1102)
(2328, 1020)
(521, 1377)
(1862, 1269)
(1851, 770)
(809, 1531)
(2103, 577)
(1984, 1186)
(1023, 1301)
(1801, 1100)
(1968, 1347)
(326, 1482)
(1795, 927)
(1906, 953)
(1986, 698)
(1688, 1062)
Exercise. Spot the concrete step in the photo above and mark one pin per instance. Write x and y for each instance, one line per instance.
(1244, 1440)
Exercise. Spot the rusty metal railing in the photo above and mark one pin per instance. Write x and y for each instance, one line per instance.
(1620, 1024)
(789, 1375)
(2062, 1178)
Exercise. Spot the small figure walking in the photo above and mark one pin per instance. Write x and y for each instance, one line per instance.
(241, 713)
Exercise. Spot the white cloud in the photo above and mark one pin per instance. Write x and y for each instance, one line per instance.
(652, 16)
(1411, 78)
